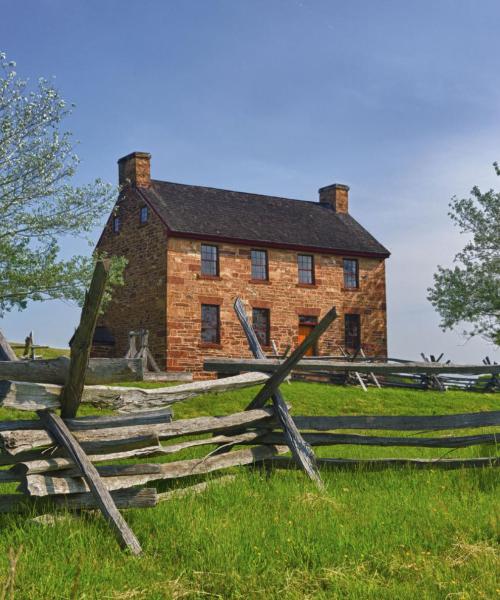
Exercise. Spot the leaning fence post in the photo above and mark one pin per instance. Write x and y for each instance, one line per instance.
(284, 369)
(82, 342)
(301, 450)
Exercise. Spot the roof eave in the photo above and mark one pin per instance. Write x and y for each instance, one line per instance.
(279, 245)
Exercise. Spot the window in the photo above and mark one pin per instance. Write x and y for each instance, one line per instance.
(306, 268)
(352, 327)
(262, 325)
(143, 215)
(209, 260)
(210, 323)
(259, 264)
(351, 275)
(116, 224)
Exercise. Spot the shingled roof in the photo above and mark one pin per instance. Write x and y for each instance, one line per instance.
(214, 214)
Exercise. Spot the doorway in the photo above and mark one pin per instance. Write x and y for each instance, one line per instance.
(306, 325)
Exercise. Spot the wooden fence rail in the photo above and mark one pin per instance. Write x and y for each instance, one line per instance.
(269, 365)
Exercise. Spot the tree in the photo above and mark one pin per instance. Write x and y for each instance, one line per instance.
(470, 291)
(38, 203)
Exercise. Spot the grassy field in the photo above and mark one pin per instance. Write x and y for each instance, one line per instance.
(401, 534)
(46, 352)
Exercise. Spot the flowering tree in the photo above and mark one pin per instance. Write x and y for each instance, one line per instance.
(470, 291)
(38, 203)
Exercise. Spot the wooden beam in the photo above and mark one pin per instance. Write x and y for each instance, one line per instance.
(232, 365)
(401, 422)
(55, 370)
(104, 500)
(331, 439)
(285, 368)
(150, 417)
(82, 341)
(23, 395)
(124, 476)
(103, 441)
(301, 451)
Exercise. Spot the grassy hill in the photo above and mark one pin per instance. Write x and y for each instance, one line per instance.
(45, 352)
(401, 534)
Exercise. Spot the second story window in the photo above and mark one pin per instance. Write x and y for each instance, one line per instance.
(209, 260)
(351, 275)
(116, 224)
(143, 215)
(262, 325)
(259, 265)
(305, 263)
(210, 323)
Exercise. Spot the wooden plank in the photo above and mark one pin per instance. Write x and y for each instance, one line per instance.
(400, 422)
(129, 498)
(104, 500)
(301, 451)
(43, 465)
(55, 370)
(22, 395)
(389, 463)
(330, 439)
(6, 352)
(280, 374)
(266, 365)
(81, 345)
(125, 476)
(153, 417)
(100, 441)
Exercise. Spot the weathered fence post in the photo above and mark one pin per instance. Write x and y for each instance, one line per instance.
(82, 342)
(302, 452)
(58, 428)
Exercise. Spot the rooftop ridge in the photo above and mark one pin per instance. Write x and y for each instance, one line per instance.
(207, 187)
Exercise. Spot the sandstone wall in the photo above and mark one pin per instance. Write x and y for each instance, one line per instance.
(282, 294)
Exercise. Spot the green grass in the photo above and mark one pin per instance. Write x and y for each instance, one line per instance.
(48, 352)
(400, 534)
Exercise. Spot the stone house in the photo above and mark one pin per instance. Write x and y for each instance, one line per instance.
(192, 250)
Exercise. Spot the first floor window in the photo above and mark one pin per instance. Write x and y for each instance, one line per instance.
(143, 215)
(352, 327)
(351, 276)
(262, 325)
(116, 224)
(305, 264)
(209, 260)
(210, 323)
(259, 264)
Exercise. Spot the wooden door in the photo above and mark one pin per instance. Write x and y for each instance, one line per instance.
(304, 331)
(306, 325)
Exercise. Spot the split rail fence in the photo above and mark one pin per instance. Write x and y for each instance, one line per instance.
(59, 458)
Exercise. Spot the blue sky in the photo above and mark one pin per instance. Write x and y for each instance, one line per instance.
(400, 100)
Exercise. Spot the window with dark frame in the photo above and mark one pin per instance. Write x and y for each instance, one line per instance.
(143, 215)
(210, 323)
(116, 224)
(259, 265)
(305, 264)
(209, 260)
(261, 322)
(351, 273)
(352, 328)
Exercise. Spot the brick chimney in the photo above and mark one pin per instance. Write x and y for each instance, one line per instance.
(134, 169)
(335, 196)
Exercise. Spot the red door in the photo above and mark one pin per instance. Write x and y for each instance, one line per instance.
(306, 325)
